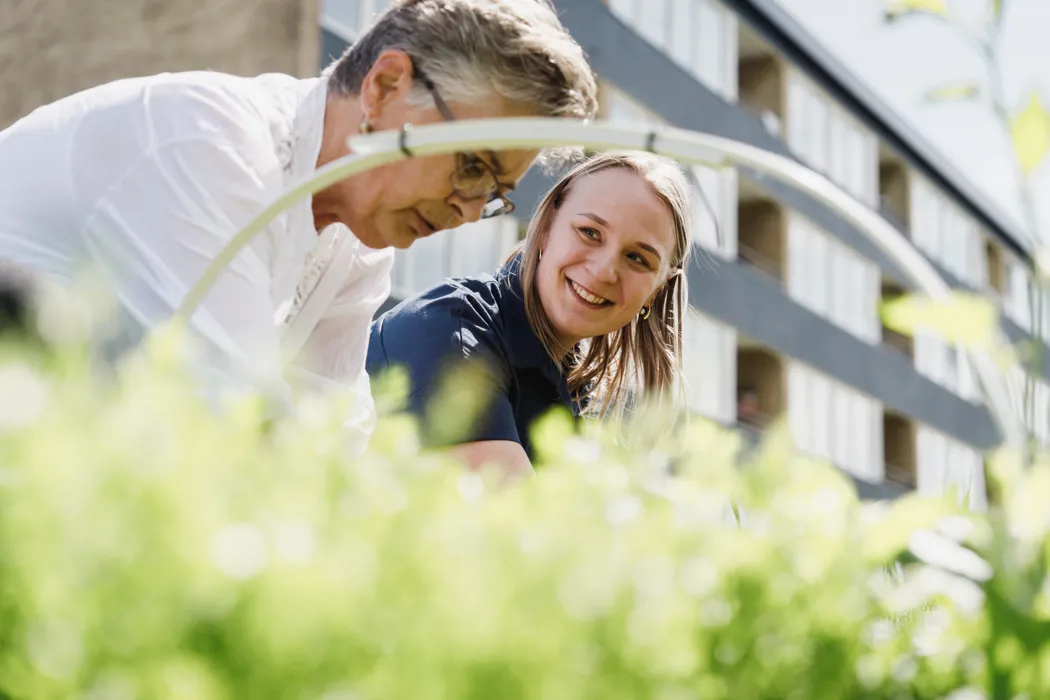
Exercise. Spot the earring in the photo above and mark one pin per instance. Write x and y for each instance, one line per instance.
(365, 127)
(541, 255)
(645, 312)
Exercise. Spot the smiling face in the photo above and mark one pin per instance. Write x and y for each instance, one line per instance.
(605, 256)
(397, 204)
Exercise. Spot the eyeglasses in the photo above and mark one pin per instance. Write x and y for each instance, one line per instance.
(473, 178)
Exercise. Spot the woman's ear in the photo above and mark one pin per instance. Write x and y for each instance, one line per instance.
(386, 88)
(655, 295)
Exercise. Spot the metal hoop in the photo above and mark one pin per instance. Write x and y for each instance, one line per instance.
(381, 147)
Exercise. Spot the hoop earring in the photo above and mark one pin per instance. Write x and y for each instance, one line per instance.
(645, 312)
(365, 127)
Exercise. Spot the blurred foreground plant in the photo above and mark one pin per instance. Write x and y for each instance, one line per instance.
(153, 547)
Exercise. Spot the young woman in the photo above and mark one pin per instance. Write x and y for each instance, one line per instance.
(587, 310)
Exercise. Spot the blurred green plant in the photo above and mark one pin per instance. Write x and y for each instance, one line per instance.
(154, 546)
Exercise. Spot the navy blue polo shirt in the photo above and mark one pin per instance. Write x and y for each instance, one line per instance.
(481, 321)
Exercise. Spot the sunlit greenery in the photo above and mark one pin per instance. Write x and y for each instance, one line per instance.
(152, 546)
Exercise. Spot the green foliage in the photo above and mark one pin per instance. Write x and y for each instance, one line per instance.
(954, 92)
(152, 546)
(1030, 133)
(967, 319)
(897, 9)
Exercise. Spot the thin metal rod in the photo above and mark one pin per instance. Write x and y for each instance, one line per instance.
(378, 148)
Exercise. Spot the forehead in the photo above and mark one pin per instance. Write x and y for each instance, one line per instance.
(627, 202)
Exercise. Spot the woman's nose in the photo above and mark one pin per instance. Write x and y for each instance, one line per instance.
(604, 268)
(468, 210)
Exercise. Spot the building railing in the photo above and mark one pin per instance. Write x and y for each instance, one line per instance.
(887, 212)
(900, 475)
(898, 341)
(765, 263)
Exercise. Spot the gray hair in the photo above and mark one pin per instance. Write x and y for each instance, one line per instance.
(474, 50)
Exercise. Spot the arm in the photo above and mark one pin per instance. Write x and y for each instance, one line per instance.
(155, 231)
(505, 454)
(440, 337)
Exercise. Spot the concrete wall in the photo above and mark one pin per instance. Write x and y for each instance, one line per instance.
(53, 48)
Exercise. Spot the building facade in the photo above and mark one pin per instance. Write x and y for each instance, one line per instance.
(52, 48)
(785, 298)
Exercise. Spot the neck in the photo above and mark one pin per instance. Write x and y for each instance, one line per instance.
(341, 115)
(341, 119)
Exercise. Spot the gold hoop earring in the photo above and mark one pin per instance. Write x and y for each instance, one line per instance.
(645, 312)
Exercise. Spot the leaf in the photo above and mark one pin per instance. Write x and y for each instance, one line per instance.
(1030, 131)
(967, 319)
(953, 91)
(997, 9)
(895, 9)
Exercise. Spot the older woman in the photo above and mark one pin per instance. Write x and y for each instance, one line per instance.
(149, 178)
(588, 309)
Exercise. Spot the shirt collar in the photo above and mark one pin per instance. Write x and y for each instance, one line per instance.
(524, 349)
(308, 127)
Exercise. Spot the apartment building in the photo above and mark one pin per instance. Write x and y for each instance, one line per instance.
(784, 319)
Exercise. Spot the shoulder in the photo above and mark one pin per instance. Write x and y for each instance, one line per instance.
(170, 108)
(458, 317)
(230, 108)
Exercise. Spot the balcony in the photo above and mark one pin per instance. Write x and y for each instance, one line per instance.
(761, 236)
(894, 193)
(993, 255)
(761, 81)
(760, 388)
(897, 341)
(898, 449)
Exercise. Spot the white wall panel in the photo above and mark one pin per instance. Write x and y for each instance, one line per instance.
(650, 18)
(835, 422)
(699, 35)
(682, 45)
(943, 463)
(831, 280)
(711, 64)
(710, 367)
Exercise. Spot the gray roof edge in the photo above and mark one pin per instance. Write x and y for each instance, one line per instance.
(785, 33)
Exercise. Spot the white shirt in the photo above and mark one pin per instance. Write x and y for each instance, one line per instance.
(149, 178)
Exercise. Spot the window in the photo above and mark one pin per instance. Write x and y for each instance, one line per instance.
(347, 16)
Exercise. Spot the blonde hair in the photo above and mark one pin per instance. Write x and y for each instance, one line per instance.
(645, 355)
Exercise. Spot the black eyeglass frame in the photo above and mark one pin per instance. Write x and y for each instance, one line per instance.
(470, 160)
